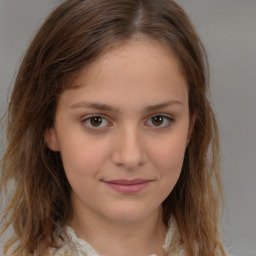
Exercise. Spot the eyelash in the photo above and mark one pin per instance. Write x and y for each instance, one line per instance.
(166, 118)
(87, 121)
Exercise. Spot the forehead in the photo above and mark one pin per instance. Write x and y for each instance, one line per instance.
(141, 52)
(137, 69)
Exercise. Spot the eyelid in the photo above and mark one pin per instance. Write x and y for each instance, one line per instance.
(88, 117)
(170, 119)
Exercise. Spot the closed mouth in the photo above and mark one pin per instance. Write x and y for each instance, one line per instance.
(128, 186)
(127, 182)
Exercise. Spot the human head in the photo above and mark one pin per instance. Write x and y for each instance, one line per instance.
(71, 39)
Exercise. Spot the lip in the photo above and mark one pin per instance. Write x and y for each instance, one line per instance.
(128, 186)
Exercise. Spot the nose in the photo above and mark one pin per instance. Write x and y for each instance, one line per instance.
(128, 149)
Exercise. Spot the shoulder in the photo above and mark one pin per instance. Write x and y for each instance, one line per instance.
(68, 244)
(60, 248)
(59, 252)
(172, 245)
(61, 245)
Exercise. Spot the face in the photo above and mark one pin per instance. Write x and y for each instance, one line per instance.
(123, 132)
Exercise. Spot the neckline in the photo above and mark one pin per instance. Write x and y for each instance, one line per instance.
(83, 246)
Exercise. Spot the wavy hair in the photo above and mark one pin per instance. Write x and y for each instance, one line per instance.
(74, 35)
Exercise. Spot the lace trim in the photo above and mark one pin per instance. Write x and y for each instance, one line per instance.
(70, 245)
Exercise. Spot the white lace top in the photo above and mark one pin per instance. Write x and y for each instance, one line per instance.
(70, 245)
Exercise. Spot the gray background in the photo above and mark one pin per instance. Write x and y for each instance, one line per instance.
(228, 30)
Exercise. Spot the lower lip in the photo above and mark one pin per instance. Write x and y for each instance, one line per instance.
(128, 188)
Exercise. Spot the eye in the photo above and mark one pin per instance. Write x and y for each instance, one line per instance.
(161, 121)
(95, 122)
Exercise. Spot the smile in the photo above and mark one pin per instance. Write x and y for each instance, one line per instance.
(128, 186)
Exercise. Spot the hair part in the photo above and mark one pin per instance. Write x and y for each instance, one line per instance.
(73, 37)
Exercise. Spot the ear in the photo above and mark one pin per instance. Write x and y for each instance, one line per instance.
(51, 139)
(191, 127)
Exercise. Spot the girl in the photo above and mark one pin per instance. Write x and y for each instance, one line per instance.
(112, 145)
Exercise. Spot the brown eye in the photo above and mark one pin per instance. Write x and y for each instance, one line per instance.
(157, 120)
(160, 121)
(96, 121)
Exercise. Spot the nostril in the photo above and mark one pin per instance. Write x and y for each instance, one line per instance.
(129, 156)
(128, 148)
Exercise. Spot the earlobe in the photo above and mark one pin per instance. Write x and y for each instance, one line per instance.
(51, 140)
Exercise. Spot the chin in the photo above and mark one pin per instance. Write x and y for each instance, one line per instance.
(130, 215)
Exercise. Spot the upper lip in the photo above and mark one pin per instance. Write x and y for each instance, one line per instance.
(127, 182)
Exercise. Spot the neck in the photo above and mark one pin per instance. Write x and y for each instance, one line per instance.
(107, 237)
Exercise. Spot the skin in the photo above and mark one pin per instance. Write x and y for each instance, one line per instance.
(128, 143)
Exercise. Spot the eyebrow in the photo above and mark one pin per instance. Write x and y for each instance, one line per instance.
(105, 107)
(163, 105)
(93, 105)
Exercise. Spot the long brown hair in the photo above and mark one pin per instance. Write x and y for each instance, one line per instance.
(73, 37)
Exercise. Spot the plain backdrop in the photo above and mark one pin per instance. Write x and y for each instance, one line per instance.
(228, 30)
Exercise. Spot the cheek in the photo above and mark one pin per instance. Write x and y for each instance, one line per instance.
(167, 159)
(83, 160)
(168, 156)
